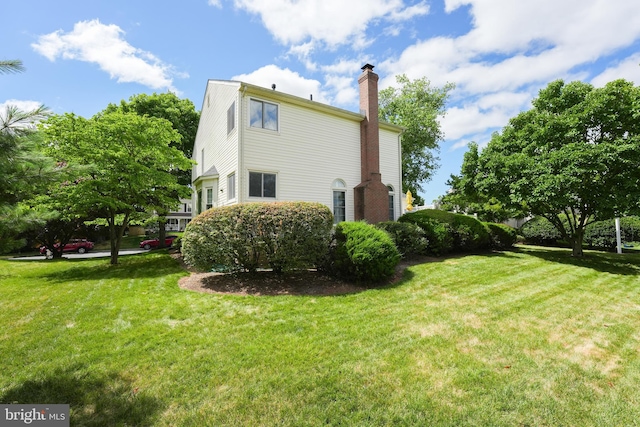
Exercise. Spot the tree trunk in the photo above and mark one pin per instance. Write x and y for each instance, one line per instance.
(162, 232)
(576, 244)
(113, 240)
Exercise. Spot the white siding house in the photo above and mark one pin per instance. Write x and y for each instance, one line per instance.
(255, 144)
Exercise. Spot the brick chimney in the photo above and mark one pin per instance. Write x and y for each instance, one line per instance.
(371, 195)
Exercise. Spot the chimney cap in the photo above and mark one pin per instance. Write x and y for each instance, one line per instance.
(367, 67)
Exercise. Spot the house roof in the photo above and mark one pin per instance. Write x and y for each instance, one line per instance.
(326, 108)
(211, 172)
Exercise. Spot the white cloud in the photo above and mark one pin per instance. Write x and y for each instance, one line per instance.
(215, 3)
(286, 81)
(513, 49)
(332, 22)
(628, 69)
(22, 105)
(104, 45)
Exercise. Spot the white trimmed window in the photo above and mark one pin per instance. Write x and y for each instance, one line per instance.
(339, 189)
(262, 184)
(263, 115)
(391, 204)
(209, 204)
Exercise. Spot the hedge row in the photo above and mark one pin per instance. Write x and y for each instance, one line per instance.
(449, 232)
(598, 235)
(285, 236)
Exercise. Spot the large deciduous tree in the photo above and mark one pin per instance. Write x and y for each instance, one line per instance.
(183, 117)
(574, 158)
(416, 106)
(128, 161)
(464, 195)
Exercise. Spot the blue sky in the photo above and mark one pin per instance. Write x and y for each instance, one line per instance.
(82, 55)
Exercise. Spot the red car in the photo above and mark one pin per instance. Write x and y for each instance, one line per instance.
(75, 245)
(153, 243)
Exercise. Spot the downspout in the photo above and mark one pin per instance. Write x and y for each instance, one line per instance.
(400, 192)
(240, 185)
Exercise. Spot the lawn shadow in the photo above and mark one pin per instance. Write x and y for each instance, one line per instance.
(144, 266)
(605, 262)
(94, 399)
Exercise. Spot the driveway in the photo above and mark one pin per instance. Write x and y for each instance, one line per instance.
(90, 254)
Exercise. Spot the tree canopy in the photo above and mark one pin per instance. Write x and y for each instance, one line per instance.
(127, 161)
(574, 158)
(416, 106)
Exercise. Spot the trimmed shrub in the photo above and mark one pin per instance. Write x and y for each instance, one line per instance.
(409, 238)
(466, 233)
(362, 252)
(501, 236)
(283, 235)
(439, 236)
(540, 231)
(602, 234)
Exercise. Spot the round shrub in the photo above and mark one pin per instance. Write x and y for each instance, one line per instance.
(283, 235)
(502, 236)
(409, 238)
(362, 252)
(540, 231)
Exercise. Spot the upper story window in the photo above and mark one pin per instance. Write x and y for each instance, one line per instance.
(263, 115)
(231, 117)
(262, 184)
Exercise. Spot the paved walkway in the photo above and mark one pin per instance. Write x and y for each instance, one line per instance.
(90, 254)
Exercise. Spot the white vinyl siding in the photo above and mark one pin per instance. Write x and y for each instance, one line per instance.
(310, 150)
(220, 146)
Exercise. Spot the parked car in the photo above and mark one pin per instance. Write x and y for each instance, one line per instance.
(153, 243)
(75, 245)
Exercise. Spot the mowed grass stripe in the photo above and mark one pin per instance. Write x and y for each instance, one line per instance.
(530, 337)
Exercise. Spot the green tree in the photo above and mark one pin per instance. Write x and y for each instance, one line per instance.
(128, 161)
(183, 117)
(464, 195)
(416, 106)
(574, 158)
(24, 170)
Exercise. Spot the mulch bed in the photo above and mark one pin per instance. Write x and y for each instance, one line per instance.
(308, 282)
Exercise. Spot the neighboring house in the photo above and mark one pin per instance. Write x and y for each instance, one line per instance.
(177, 220)
(255, 144)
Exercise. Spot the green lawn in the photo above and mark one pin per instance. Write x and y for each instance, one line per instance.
(525, 338)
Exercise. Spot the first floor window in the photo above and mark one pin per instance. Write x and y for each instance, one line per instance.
(391, 210)
(199, 202)
(231, 186)
(209, 198)
(339, 201)
(262, 184)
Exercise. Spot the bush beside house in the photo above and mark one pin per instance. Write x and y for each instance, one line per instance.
(284, 236)
(410, 239)
(362, 252)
